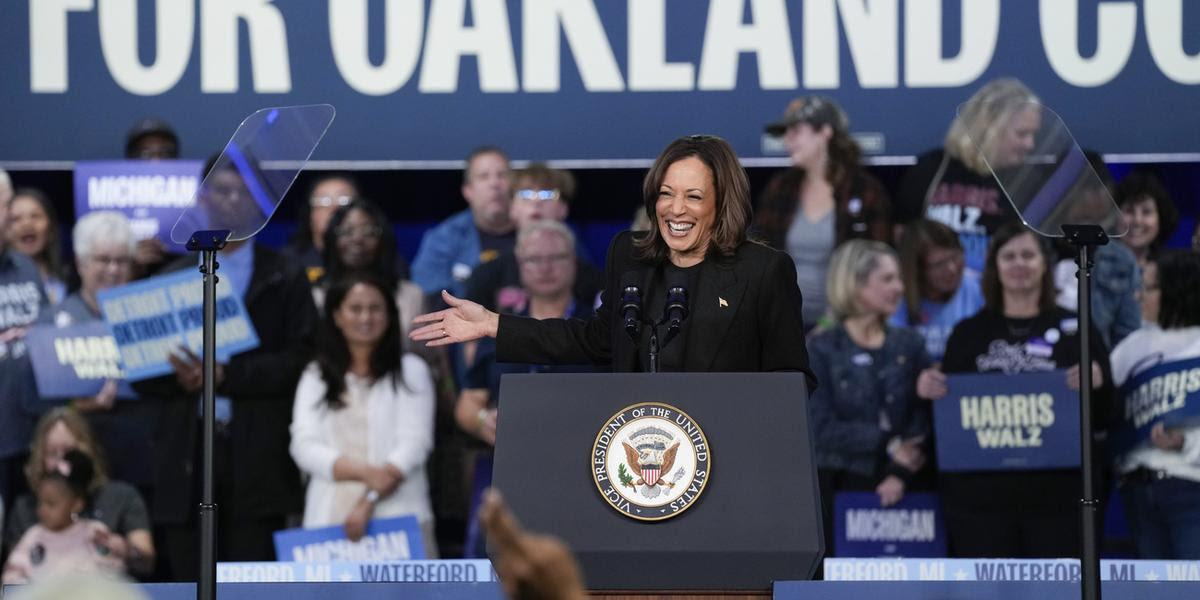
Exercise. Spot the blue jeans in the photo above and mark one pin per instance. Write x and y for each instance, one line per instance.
(1164, 516)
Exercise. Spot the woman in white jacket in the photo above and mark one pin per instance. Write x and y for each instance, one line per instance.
(362, 423)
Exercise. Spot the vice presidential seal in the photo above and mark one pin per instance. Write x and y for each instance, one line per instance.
(651, 461)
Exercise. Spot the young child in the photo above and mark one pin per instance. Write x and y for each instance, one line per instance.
(62, 540)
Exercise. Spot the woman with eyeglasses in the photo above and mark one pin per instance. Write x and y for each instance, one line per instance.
(104, 256)
(329, 193)
(359, 237)
(938, 290)
(824, 199)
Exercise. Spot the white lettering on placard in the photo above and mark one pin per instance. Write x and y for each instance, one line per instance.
(219, 46)
(174, 29)
(540, 46)
(1164, 32)
(924, 65)
(138, 191)
(404, 22)
(875, 525)
(48, 43)
(872, 32)
(392, 545)
(1059, 20)
(649, 70)
(488, 39)
(767, 36)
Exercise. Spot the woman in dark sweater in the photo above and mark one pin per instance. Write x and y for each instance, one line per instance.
(1015, 514)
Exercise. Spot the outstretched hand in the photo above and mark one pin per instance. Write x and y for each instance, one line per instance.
(464, 321)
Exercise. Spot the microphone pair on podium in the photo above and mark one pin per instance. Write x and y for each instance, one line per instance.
(675, 311)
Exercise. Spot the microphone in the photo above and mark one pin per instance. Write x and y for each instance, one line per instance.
(676, 309)
(631, 305)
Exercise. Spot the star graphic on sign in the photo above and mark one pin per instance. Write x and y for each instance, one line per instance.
(1152, 576)
(960, 575)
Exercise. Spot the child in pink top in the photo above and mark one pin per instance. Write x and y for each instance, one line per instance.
(62, 540)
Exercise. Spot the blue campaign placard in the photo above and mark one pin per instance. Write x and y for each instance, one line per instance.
(1167, 392)
(911, 527)
(997, 422)
(74, 361)
(151, 193)
(397, 538)
(150, 319)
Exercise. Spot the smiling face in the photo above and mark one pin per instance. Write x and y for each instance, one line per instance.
(1020, 264)
(357, 239)
(109, 264)
(28, 225)
(880, 294)
(687, 210)
(362, 316)
(1141, 215)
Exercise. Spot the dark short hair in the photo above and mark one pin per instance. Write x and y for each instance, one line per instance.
(1179, 286)
(732, 193)
(1143, 183)
(476, 153)
(919, 238)
(993, 293)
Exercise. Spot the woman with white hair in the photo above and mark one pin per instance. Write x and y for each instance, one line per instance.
(104, 254)
(953, 185)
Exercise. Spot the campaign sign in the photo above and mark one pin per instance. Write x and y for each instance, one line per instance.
(74, 361)
(150, 319)
(911, 527)
(996, 422)
(1168, 392)
(372, 571)
(1005, 569)
(151, 193)
(397, 538)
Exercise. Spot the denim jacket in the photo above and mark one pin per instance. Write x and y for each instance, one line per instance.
(447, 255)
(864, 401)
(1116, 278)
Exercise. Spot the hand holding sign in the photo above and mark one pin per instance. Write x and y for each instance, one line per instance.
(356, 524)
(931, 383)
(890, 490)
(103, 400)
(1073, 376)
(1170, 440)
(189, 370)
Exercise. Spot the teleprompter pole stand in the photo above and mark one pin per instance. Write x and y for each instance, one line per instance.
(208, 243)
(1086, 238)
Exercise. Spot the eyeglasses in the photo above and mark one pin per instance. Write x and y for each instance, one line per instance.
(115, 261)
(327, 201)
(538, 195)
(953, 261)
(363, 231)
(544, 260)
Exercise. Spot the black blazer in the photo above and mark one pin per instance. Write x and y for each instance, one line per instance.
(262, 384)
(745, 318)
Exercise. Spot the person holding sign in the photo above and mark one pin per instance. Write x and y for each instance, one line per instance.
(1158, 371)
(362, 421)
(1016, 514)
(104, 256)
(870, 427)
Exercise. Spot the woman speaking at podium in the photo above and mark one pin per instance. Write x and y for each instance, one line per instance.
(742, 300)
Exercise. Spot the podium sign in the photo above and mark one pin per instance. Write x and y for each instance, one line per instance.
(569, 444)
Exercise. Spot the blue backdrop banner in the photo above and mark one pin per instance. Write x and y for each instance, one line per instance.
(427, 80)
(397, 538)
(911, 527)
(150, 319)
(151, 193)
(993, 421)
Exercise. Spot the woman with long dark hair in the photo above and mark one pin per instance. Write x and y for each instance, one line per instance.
(362, 424)
(824, 199)
(33, 229)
